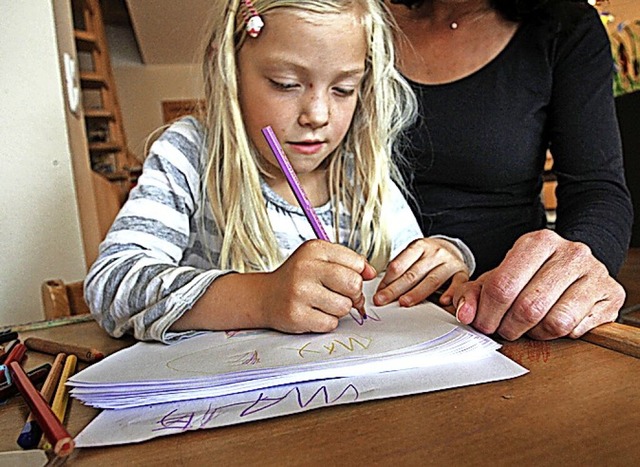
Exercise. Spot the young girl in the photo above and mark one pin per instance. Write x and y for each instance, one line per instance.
(212, 238)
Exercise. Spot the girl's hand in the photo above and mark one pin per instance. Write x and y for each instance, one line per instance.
(421, 269)
(316, 286)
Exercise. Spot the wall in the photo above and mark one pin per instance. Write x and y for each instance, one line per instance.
(141, 90)
(40, 236)
(623, 10)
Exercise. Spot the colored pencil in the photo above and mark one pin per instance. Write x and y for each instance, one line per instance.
(16, 355)
(8, 336)
(50, 323)
(37, 376)
(85, 354)
(298, 192)
(53, 429)
(31, 433)
(59, 405)
(7, 350)
(61, 399)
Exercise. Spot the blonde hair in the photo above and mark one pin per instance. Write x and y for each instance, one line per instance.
(385, 106)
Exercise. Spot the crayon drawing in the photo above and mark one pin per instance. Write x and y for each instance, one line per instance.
(350, 344)
(372, 316)
(177, 421)
(249, 358)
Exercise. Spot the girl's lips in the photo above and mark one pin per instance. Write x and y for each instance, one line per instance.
(311, 147)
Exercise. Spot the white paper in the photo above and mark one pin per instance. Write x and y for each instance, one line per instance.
(218, 379)
(112, 427)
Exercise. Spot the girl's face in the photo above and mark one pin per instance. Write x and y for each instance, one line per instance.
(301, 75)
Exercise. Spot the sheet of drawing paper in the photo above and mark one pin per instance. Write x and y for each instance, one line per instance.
(137, 424)
(459, 345)
(242, 355)
(221, 363)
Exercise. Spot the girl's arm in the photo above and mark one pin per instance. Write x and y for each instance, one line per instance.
(142, 282)
(153, 277)
(309, 292)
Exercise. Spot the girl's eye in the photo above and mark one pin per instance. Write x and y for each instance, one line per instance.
(282, 86)
(345, 92)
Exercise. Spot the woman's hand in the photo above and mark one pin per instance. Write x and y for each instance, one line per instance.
(421, 269)
(546, 287)
(316, 286)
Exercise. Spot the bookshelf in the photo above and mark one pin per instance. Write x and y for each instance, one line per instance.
(106, 139)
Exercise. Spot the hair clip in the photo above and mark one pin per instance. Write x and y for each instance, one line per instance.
(252, 19)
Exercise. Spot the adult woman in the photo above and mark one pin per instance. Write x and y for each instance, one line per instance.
(500, 82)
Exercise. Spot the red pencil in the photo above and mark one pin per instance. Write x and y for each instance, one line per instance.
(7, 350)
(53, 429)
(16, 355)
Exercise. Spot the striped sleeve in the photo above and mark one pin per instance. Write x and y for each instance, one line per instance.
(138, 284)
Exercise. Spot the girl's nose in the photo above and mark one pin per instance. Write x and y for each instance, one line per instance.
(315, 111)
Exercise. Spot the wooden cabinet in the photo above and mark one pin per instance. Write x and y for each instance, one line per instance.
(549, 191)
(106, 138)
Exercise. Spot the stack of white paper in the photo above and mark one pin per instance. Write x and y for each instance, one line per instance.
(222, 364)
(220, 379)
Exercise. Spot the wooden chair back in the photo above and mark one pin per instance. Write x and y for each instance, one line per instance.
(60, 299)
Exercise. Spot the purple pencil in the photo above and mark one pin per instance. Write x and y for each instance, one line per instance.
(298, 192)
(294, 183)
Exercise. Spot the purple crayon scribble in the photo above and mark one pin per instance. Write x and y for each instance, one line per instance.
(371, 316)
(180, 422)
(273, 401)
(192, 420)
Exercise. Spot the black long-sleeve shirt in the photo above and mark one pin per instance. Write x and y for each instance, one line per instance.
(478, 150)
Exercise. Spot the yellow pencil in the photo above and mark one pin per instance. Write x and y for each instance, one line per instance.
(61, 399)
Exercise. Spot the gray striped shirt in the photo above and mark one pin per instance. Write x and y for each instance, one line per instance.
(162, 250)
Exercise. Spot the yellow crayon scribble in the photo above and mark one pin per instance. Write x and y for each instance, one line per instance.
(332, 347)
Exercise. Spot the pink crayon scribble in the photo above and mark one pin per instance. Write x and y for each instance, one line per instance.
(249, 358)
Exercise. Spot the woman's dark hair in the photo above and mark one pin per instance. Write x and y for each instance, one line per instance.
(513, 10)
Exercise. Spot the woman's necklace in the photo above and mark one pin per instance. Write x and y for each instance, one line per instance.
(479, 14)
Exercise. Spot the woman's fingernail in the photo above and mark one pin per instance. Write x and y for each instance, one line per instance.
(460, 304)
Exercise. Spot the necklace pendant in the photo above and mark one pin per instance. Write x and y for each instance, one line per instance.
(453, 25)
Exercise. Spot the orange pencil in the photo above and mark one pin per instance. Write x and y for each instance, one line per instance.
(85, 354)
(54, 431)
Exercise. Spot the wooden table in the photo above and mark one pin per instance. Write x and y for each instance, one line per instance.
(579, 405)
